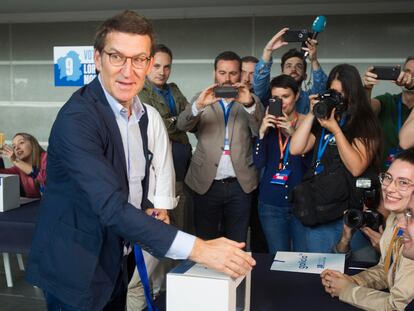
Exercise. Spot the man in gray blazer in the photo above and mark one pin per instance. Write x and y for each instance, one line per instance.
(221, 172)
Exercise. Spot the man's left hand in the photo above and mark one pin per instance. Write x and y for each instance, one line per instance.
(311, 49)
(159, 214)
(245, 97)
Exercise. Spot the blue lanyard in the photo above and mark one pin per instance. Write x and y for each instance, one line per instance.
(286, 155)
(323, 144)
(226, 111)
(399, 106)
(168, 98)
(142, 270)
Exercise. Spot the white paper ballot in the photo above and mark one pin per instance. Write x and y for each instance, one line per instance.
(308, 262)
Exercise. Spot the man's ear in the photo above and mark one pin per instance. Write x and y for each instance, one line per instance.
(97, 58)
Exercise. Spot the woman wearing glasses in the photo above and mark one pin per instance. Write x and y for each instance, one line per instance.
(394, 272)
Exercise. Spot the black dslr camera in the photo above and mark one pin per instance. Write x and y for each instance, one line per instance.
(357, 218)
(327, 102)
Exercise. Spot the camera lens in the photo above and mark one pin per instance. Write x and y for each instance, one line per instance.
(320, 110)
(373, 219)
(354, 218)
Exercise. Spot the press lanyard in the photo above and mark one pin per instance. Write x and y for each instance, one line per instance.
(324, 143)
(284, 147)
(142, 270)
(226, 111)
(168, 98)
(399, 107)
(284, 150)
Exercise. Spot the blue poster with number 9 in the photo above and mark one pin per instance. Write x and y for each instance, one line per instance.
(73, 65)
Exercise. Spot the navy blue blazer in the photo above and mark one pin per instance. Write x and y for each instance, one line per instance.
(85, 216)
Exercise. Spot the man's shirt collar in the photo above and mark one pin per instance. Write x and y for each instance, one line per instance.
(137, 108)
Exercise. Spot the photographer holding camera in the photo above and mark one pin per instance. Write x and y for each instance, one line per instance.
(393, 109)
(363, 228)
(394, 272)
(347, 140)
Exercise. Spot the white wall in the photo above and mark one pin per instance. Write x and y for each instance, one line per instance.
(29, 101)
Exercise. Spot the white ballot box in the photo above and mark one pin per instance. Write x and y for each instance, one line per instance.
(9, 192)
(191, 286)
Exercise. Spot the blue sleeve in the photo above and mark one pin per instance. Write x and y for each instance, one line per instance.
(261, 80)
(259, 152)
(319, 81)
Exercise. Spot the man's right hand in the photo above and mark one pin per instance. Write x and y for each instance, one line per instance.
(223, 255)
(206, 97)
(275, 43)
(370, 78)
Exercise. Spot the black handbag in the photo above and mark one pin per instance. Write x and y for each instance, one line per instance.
(324, 198)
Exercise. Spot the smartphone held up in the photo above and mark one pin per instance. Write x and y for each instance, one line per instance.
(226, 91)
(387, 72)
(275, 106)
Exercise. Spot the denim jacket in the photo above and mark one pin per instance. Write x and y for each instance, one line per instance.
(261, 85)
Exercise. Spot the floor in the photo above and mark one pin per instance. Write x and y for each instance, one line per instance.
(22, 296)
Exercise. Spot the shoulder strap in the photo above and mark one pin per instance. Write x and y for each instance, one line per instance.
(143, 126)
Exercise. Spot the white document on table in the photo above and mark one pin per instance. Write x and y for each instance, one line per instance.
(308, 262)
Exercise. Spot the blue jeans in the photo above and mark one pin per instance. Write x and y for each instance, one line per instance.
(362, 249)
(283, 231)
(224, 210)
(322, 238)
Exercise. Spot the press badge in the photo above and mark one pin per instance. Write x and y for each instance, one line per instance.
(319, 168)
(226, 149)
(281, 177)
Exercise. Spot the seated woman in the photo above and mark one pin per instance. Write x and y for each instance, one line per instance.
(283, 231)
(29, 162)
(346, 136)
(394, 272)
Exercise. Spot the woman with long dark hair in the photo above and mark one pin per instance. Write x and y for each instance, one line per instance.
(29, 162)
(346, 144)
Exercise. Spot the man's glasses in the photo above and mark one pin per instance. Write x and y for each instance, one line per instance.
(402, 184)
(118, 60)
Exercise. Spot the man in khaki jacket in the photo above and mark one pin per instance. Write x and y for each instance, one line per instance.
(221, 172)
(394, 272)
(170, 102)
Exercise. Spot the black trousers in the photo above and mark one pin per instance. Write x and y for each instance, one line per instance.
(224, 210)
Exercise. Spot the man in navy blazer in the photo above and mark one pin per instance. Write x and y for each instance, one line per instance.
(86, 219)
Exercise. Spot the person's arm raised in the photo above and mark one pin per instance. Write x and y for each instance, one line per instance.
(302, 139)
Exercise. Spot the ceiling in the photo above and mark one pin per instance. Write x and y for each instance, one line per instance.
(20, 11)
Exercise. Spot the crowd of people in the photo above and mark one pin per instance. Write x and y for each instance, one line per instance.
(119, 152)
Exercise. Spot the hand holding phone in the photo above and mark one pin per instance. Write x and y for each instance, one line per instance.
(275, 106)
(226, 91)
(297, 35)
(387, 72)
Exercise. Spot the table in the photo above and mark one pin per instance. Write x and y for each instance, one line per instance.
(17, 228)
(277, 290)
